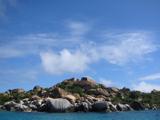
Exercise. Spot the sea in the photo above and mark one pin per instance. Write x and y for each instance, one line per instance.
(132, 115)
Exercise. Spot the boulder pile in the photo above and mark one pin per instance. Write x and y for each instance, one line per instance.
(74, 95)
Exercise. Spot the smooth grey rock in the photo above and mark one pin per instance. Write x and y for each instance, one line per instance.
(112, 107)
(100, 106)
(137, 106)
(12, 106)
(20, 107)
(122, 107)
(128, 107)
(84, 106)
(154, 108)
(37, 102)
(18, 90)
(1, 107)
(9, 105)
(33, 107)
(21, 102)
(58, 105)
(37, 88)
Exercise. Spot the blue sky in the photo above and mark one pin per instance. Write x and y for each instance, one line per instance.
(114, 42)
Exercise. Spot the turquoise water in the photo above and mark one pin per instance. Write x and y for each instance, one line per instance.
(142, 115)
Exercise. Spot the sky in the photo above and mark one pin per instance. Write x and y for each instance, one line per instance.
(115, 42)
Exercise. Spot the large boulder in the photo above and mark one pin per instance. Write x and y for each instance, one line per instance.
(12, 106)
(137, 106)
(98, 91)
(69, 81)
(37, 88)
(125, 90)
(123, 107)
(112, 107)
(60, 93)
(103, 92)
(86, 83)
(93, 99)
(113, 89)
(35, 97)
(128, 107)
(100, 98)
(88, 79)
(83, 106)
(100, 106)
(17, 91)
(103, 106)
(1, 107)
(37, 103)
(33, 107)
(90, 98)
(26, 101)
(70, 97)
(22, 108)
(9, 105)
(58, 105)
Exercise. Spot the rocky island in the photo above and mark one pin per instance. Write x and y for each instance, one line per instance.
(78, 95)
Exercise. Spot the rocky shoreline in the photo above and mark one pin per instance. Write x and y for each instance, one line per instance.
(74, 95)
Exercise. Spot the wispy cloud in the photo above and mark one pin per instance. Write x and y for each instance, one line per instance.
(106, 82)
(127, 47)
(33, 44)
(155, 76)
(146, 87)
(75, 48)
(78, 28)
(18, 46)
(145, 84)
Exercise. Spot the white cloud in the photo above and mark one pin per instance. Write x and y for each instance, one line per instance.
(155, 76)
(146, 87)
(107, 83)
(35, 43)
(117, 48)
(127, 47)
(64, 62)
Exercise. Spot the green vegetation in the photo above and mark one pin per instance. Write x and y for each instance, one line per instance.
(4, 98)
(153, 99)
(14, 96)
(72, 88)
(124, 96)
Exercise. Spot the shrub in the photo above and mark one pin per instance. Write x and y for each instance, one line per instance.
(4, 98)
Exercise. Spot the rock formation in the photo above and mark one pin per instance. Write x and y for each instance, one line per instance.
(78, 95)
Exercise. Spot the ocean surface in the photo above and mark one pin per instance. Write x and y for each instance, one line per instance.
(134, 115)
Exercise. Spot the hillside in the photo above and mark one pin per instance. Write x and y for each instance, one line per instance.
(73, 95)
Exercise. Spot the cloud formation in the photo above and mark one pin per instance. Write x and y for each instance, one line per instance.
(65, 61)
(146, 87)
(107, 83)
(155, 76)
(74, 52)
(78, 28)
(145, 84)
(127, 47)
